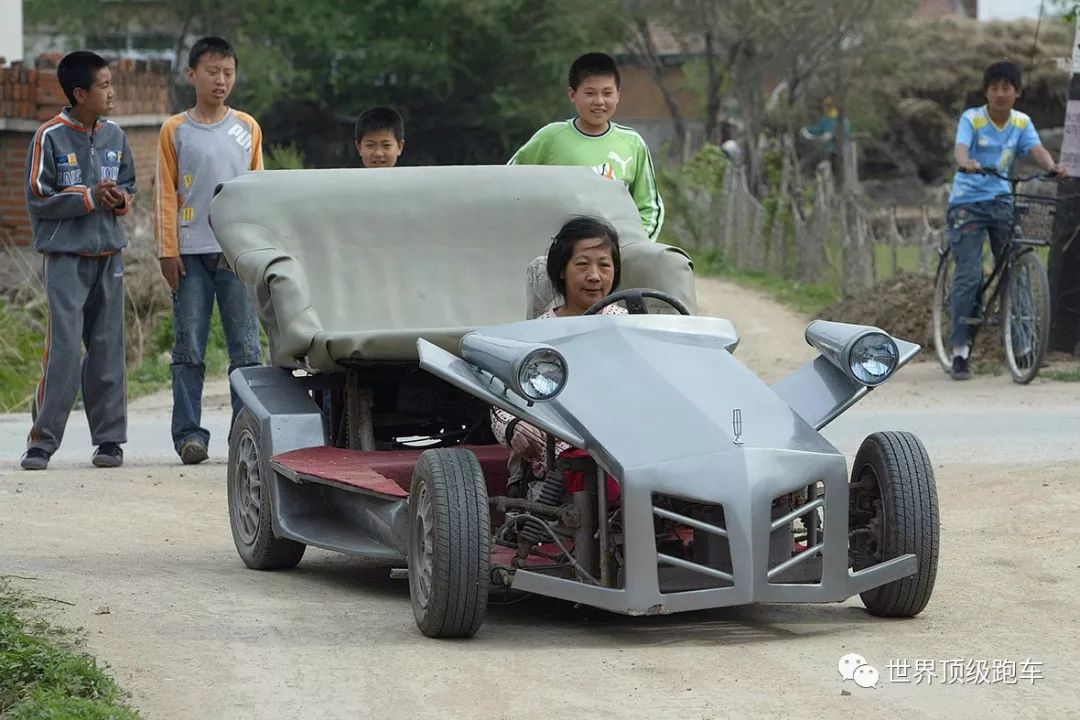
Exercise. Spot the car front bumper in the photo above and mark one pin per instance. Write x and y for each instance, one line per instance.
(745, 482)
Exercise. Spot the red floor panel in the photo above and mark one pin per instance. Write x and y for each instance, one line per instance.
(386, 472)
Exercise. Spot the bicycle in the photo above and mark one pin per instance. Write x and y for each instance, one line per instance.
(1016, 293)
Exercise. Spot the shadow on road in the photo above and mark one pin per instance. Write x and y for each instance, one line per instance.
(509, 615)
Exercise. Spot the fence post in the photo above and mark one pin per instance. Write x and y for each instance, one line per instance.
(926, 241)
(895, 240)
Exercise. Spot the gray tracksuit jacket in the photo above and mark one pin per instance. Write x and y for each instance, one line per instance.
(65, 162)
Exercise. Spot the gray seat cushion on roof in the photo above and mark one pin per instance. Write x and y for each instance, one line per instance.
(354, 265)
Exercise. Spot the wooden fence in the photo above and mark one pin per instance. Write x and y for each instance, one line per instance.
(840, 239)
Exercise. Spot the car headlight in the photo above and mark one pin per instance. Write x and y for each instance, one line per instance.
(535, 371)
(542, 374)
(873, 358)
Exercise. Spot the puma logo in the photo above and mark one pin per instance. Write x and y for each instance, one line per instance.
(622, 163)
(242, 135)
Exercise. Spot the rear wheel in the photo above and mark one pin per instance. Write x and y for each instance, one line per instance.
(894, 512)
(1025, 322)
(942, 310)
(449, 547)
(250, 510)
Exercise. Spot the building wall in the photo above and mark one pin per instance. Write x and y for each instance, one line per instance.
(640, 96)
(947, 8)
(14, 145)
(11, 30)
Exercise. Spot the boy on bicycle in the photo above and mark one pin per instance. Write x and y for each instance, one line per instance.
(987, 137)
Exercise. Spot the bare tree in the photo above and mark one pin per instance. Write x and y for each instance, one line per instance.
(790, 41)
(642, 44)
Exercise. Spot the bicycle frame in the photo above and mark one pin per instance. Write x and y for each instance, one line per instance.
(1014, 247)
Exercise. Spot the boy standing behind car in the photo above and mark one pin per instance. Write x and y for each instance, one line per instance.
(198, 149)
(591, 139)
(79, 177)
(379, 137)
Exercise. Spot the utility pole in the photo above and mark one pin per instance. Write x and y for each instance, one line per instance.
(1064, 267)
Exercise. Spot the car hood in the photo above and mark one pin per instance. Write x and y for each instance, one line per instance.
(648, 389)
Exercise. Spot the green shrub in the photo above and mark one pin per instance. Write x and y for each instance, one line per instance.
(44, 677)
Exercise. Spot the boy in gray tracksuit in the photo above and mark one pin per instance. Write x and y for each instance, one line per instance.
(80, 177)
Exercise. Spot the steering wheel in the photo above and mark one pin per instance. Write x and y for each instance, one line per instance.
(635, 301)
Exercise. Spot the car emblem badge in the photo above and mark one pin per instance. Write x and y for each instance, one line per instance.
(736, 425)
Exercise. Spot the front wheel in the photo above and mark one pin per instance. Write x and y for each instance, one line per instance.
(1025, 317)
(942, 310)
(449, 545)
(893, 512)
(250, 509)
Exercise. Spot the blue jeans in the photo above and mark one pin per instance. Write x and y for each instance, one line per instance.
(967, 226)
(193, 305)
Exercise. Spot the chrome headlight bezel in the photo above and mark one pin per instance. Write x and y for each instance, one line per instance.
(838, 342)
(525, 388)
(509, 360)
(856, 357)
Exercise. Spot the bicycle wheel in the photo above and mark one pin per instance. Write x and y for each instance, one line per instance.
(942, 311)
(1025, 325)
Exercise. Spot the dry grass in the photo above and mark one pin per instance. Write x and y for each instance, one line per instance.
(23, 310)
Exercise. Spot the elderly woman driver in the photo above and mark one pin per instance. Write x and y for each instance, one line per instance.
(583, 264)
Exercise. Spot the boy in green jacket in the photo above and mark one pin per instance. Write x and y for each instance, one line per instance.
(591, 139)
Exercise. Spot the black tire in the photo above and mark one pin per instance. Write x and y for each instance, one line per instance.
(942, 312)
(250, 509)
(1025, 317)
(449, 548)
(895, 470)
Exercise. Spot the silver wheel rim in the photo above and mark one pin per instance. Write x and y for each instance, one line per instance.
(942, 314)
(420, 564)
(1022, 323)
(249, 488)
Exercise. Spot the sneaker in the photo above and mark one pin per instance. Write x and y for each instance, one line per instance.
(193, 452)
(35, 459)
(108, 455)
(960, 369)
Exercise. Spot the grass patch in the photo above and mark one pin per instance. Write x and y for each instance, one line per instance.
(155, 371)
(907, 260)
(21, 346)
(1061, 375)
(44, 675)
(20, 358)
(807, 298)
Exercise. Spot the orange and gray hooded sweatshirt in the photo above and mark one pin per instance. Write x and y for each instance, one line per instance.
(65, 162)
(193, 159)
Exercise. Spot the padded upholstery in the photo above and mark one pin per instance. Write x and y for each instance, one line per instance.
(354, 265)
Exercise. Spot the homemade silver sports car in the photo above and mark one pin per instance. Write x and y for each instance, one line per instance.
(393, 301)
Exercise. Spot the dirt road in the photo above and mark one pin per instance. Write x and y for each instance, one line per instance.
(194, 635)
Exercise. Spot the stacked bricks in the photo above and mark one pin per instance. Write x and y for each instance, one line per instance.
(29, 96)
(14, 220)
(140, 86)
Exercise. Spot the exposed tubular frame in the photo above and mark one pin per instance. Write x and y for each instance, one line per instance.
(697, 525)
(813, 546)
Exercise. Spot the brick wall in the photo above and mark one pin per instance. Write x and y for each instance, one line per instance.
(14, 220)
(29, 96)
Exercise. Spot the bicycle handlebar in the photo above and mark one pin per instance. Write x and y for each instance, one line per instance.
(1041, 175)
